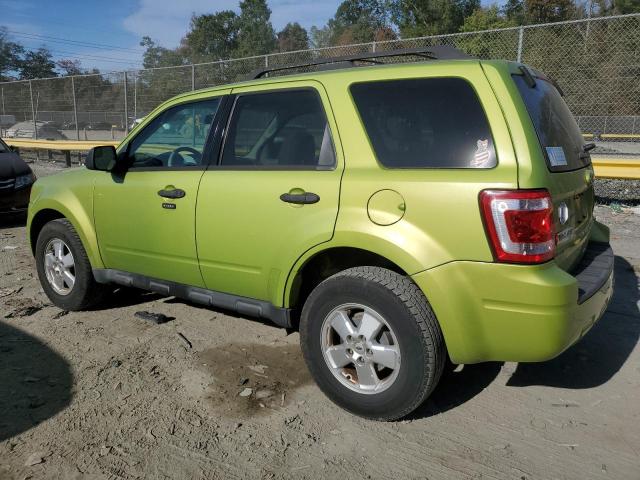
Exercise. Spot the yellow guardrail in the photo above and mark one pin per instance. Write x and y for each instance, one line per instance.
(627, 136)
(64, 145)
(604, 166)
(614, 167)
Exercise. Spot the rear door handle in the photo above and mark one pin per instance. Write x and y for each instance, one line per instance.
(300, 198)
(173, 193)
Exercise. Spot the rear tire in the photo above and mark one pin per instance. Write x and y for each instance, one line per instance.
(370, 319)
(64, 269)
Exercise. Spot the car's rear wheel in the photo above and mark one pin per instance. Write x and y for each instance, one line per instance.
(64, 268)
(372, 342)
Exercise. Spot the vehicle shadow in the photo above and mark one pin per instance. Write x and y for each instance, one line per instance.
(13, 220)
(457, 387)
(597, 357)
(35, 382)
(127, 297)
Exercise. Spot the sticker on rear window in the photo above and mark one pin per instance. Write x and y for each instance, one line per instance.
(556, 156)
(482, 156)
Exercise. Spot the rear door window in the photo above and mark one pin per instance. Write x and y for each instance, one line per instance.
(3, 147)
(425, 123)
(557, 130)
(282, 129)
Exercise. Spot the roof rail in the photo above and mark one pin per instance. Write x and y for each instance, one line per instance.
(437, 52)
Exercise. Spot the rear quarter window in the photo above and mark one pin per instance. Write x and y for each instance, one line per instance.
(425, 123)
(557, 130)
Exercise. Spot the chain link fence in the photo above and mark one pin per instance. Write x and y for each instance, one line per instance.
(595, 61)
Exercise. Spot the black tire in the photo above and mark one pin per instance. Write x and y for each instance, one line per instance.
(86, 292)
(405, 308)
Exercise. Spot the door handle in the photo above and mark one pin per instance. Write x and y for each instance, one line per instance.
(300, 198)
(173, 193)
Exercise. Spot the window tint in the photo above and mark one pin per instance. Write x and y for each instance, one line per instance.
(279, 129)
(425, 123)
(557, 130)
(175, 138)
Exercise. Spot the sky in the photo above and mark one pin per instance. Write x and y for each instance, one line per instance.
(114, 28)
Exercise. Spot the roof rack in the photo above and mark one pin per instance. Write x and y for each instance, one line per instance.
(437, 52)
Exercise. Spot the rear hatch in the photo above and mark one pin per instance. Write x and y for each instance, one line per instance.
(568, 164)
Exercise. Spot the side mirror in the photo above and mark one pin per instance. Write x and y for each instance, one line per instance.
(103, 158)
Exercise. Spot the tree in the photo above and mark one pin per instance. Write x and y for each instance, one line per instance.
(360, 21)
(431, 17)
(547, 11)
(487, 18)
(292, 37)
(320, 37)
(37, 64)
(10, 53)
(69, 67)
(513, 10)
(212, 36)
(255, 32)
(157, 56)
(621, 7)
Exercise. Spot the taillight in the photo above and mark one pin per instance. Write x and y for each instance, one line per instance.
(519, 224)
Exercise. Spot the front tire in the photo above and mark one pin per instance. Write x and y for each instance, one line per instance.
(64, 269)
(372, 342)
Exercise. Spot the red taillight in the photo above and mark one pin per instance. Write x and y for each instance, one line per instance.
(519, 224)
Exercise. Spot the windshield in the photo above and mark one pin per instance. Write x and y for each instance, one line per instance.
(557, 130)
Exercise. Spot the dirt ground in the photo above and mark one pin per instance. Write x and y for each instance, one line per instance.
(108, 395)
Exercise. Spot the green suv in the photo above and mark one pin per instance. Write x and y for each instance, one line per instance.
(398, 215)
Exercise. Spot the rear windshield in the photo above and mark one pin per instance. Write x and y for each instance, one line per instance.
(425, 123)
(557, 130)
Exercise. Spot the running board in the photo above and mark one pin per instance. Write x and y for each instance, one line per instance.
(242, 305)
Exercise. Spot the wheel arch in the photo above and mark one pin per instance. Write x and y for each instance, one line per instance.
(320, 265)
(82, 224)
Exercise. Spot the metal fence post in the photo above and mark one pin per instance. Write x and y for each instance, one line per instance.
(75, 107)
(2, 100)
(520, 41)
(135, 97)
(193, 77)
(373, 47)
(266, 61)
(126, 106)
(33, 111)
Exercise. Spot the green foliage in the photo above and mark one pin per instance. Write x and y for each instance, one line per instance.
(157, 56)
(487, 18)
(513, 10)
(292, 37)
(212, 36)
(37, 64)
(419, 18)
(546, 11)
(10, 55)
(255, 32)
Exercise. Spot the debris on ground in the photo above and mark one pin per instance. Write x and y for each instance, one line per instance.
(246, 392)
(185, 341)
(35, 459)
(156, 318)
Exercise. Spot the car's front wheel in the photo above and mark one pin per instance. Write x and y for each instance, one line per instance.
(64, 268)
(372, 342)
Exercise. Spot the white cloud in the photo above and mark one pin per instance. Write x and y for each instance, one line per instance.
(167, 21)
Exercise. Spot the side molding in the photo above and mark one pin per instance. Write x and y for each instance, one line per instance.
(242, 305)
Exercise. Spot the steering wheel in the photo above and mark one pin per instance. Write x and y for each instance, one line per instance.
(177, 160)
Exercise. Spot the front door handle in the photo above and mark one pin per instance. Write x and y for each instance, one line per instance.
(300, 198)
(173, 193)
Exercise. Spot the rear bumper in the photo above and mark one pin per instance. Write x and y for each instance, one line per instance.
(502, 312)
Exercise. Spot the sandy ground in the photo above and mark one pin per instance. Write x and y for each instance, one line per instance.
(107, 395)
